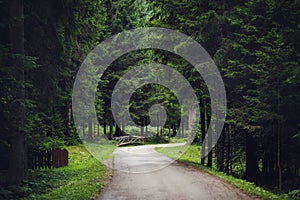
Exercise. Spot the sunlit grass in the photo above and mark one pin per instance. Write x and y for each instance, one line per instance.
(83, 178)
(177, 140)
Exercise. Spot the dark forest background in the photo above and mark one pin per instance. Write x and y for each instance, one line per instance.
(255, 44)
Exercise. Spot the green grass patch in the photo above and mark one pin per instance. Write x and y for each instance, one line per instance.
(83, 178)
(192, 157)
(177, 140)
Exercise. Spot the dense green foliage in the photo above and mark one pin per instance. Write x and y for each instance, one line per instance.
(255, 44)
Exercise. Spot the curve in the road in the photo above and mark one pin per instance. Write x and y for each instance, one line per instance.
(142, 173)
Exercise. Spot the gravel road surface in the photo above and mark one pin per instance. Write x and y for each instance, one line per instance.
(143, 174)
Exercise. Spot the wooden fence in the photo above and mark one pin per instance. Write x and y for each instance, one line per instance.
(52, 158)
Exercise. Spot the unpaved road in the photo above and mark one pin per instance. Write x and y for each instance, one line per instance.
(144, 174)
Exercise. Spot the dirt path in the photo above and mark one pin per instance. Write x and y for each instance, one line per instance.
(175, 181)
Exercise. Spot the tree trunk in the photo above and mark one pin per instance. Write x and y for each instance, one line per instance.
(279, 140)
(18, 151)
(174, 129)
(203, 129)
(118, 131)
(252, 170)
(228, 150)
(146, 131)
(179, 131)
(279, 162)
(182, 127)
(220, 152)
(104, 128)
(90, 131)
(142, 128)
(209, 141)
(83, 129)
(192, 119)
(111, 124)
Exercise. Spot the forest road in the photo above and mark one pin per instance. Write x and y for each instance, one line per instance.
(142, 173)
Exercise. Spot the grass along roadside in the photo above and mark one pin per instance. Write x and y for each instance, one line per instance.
(82, 179)
(191, 157)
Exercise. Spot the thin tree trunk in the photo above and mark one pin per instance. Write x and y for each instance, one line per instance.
(252, 170)
(203, 129)
(179, 131)
(94, 128)
(279, 161)
(111, 124)
(146, 131)
(90, 129)
(279, 141)
(174, 129)
(157, 128)
(142, 128)
(104, 128)
(226, 157)
(209, 141)
(222, 152)
(182, 127)
(228, 151)
(118, 131)
(18, 151)
(192, 116)
(83, 129)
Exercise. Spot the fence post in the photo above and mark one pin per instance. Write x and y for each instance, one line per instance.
(59, 158)
(55, 158)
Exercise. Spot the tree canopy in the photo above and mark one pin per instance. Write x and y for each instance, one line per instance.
(254, 43)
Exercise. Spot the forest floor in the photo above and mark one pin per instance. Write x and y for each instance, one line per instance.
(143, 173)
(82, 179)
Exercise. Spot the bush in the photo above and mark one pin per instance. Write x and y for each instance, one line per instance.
(52, 143)
(295, 194)
(133, 130)
(156, 139)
